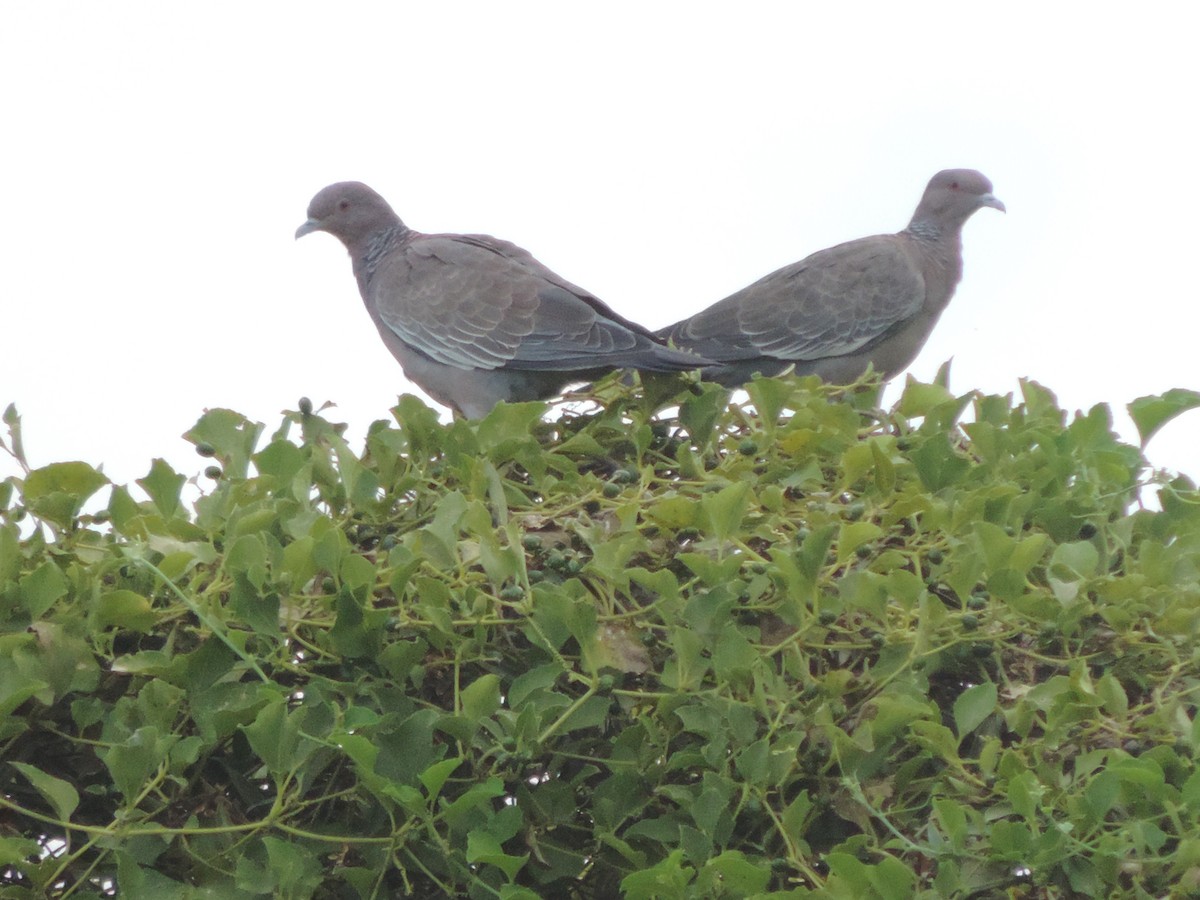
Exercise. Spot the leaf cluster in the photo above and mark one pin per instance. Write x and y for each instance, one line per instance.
(795, 646)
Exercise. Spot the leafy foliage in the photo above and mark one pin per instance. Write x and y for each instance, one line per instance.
(796, 647)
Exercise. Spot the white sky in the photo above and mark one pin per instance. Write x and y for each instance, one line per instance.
(160, 156)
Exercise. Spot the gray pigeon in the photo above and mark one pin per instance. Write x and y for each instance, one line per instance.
(474, 320)
(874, 300)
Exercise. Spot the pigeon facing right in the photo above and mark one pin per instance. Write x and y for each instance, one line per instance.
(874, 300)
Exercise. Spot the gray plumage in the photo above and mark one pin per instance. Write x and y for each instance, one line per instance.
(474, 320)
(874, 300)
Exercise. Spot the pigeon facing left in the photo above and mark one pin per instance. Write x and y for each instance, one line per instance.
(474, 320)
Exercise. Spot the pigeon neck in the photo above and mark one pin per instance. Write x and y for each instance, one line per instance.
(925, 230)
(378, 245)
(941, 249)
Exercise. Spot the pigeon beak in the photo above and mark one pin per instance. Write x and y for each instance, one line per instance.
(310, 226)
(984, 200)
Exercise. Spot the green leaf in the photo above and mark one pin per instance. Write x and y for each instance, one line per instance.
(15, 446)
(513, 892)
(973, 706)
(58, 491)
(885, 470)
(163, 484)
(435, 776)
(282, 460)
(275, 736)
(1078, 558)
(673, 511)
(481, 697)
(666, 879)
(294, 865)
(41, 588)
(357, 573)
(734, 656)
(142, 881)
(936, 738)
(731, 874)
(848, 876)
(753, 763)
(892, 879)
(1024, 793)
(814, 551)
(1011, 840)
(698, 413)
(534, 680)
(407, 748)
(920, 399)
(483, 848)
(854, 535)
(937, 463)
(953, 819)
(724, 509)
(509, 423)
(474, 803)
(125, 609)
(770, 396)
(1151, 413)
(134, 761)
(231, 435)
(60, 794)
(685, 668)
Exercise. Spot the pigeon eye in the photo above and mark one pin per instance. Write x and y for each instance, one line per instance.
(954, 185)
(345, 204)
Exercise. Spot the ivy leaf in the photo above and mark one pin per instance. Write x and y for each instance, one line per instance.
(61, 795)
(58, 491)
(1151, 413)
(973, 706)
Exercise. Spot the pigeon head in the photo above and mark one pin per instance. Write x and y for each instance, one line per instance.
(350, 211)
(951, 197)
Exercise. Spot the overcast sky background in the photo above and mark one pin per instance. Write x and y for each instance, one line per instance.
(159, 158)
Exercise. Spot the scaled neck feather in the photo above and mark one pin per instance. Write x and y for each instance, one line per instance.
(925, 230)
(379, 244)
